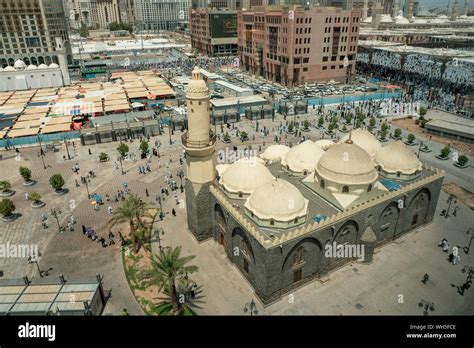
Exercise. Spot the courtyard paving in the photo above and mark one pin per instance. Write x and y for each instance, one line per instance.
(354, 289)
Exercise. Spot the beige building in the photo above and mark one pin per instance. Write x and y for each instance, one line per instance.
(294, 45)
(105, 12)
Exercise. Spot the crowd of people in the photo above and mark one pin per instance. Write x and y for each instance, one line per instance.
(424, 76)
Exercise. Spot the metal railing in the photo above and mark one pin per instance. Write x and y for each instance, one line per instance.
(198, 144)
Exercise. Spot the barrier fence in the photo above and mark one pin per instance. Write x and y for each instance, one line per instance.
(35, 139)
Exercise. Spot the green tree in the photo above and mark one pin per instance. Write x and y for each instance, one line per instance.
(348, 119)
(103, 156)
(56, 181)
(5, 185)
(114, 26)
(397, 133)
(320, 121)
(7, 207)
(372, 122)
(144, 147)
(306, 124)
(132, 210)
(411, 138)
(445, 151)
(170, 273)
(384, 127)
(123, 149)
(331, 127)
(462, 160)
(383, 134)
(35, 197)
(25, 173)
(243, 135)
(226, 137)
(344, 128)
(423, 111)
(290, 127)
(83, 31)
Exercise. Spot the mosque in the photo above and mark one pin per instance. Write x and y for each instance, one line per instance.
(274, 215)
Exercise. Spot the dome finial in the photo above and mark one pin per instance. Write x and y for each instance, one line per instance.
(349, 141)
(196, 73)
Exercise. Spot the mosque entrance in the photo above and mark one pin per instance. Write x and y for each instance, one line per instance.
(220, 226)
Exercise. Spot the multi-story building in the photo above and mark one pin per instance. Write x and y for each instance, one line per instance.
(35, 32)
(294, 45)
(213, 32)
(161, 14)
(230, 4)
(78, 12)
(105, 12)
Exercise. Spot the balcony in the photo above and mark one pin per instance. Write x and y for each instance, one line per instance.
(198, 144)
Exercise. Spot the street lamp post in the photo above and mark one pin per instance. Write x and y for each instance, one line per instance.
(55, 212)
(471, 232)
(450, 200)
(84, 179)
(67, 148)
(251, 308)
(41, 152)
(158, 238)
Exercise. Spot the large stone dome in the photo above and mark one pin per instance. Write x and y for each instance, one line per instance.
(303, 157)
(19, 64)
(245, 176)
(197, 87)
(396, 157)
(275, 152)
(364, 139)
(347, 164)
(278, 200)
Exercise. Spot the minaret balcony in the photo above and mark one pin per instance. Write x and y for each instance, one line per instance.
(192, 146)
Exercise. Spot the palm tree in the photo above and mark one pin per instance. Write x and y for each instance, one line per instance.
(132, 210)
(170, 273)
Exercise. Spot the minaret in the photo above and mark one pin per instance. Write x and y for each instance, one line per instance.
(466, 7)
(410, 10)
(199, 143)
(365, 9)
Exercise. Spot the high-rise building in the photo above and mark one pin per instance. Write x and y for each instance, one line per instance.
(215, 4)
(213, 32)
(34, 31)
(78, 12)
(293, 45)
(105, 12)
(161, 14)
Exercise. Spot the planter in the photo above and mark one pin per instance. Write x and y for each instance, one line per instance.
(442, 158)
(460, 166)
(425, 150)
(383, 140)
(29, 183)
(7, 193)
(9, 218)
(410, 144)
(106, 160)
(37, 205)
(59, 192)
(226, 141)
(306, 130)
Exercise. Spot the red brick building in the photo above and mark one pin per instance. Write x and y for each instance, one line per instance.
(294, 45)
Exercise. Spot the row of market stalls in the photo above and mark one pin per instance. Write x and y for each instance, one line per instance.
(54, 110)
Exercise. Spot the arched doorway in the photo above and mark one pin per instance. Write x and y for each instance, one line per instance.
(47, 60)
(387, 223)
(242, 251)
(34, 61)
(346, 235)
(418, 208)
(302, 263)
(55, 60)
(40, 60)
(220, 224)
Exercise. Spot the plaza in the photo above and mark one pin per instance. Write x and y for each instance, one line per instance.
(353, 289)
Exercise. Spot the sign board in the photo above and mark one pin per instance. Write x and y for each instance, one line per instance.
(223, 25)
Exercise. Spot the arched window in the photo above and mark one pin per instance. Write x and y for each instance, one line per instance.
(369, 188)
(199, 102)
(398, 174)
(305, 172)
(345, 189)
(379, 168)
(296, 220)
(272, 222)
(190, 102)
(298, 257)
(241, 194)
(322, 184)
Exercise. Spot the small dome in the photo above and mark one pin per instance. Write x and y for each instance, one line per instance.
(43, 66)
(364, 139)
(303, 157)
(324, 143)
(275, 152)
(53, 66)
(245, 176)
(347, 163)
(396, 157)
(31, 67)
(19, 64)
(401, 20)
(277, 199)
(197, 87)
(385, 18)
(9, 68)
